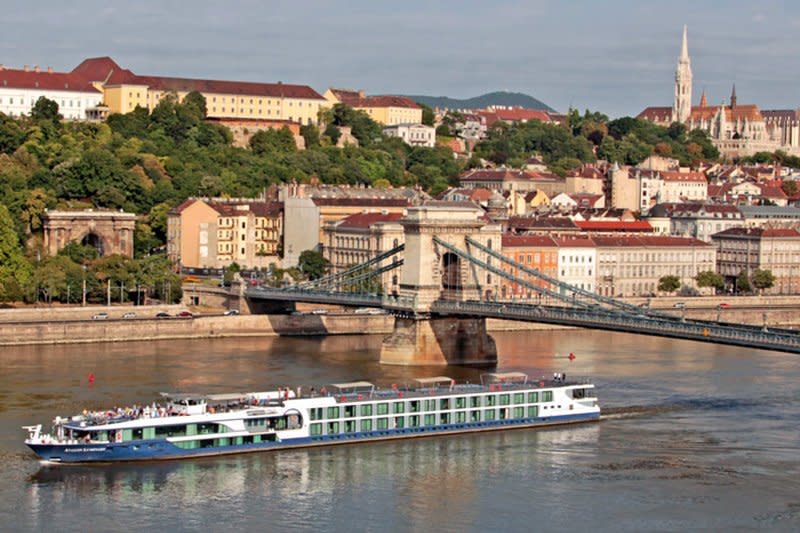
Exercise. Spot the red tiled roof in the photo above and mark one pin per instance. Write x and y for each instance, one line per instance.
(575, 242)
(758, 232)
(671, 175)
(656, 114)
(243, 208)
(365, 220)
(613, 225)
(505, 174)
(514, 241)
(366, 202)
(647, 240)
(771, 190)
(97, 68)
(44, 80)
(542, 223)
(740, 112)
(356, 99)
(515, 114)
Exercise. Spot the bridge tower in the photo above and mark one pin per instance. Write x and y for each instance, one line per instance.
(432, 273)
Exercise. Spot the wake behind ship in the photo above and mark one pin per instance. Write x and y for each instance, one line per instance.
(202, 425)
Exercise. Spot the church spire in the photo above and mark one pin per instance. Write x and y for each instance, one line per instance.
(684, 47)
(682, 105)
(703, 99)
(733, 96)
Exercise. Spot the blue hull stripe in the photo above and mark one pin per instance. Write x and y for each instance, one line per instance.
(149, 450)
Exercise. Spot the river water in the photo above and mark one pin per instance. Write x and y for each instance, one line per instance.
(694, 437)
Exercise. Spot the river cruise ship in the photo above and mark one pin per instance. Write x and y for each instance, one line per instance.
(184, 425)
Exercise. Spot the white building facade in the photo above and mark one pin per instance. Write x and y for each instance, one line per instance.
(21, 88)
(413, 134)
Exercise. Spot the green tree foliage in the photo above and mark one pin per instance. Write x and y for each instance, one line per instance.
(45, 109)
(632, 140)
(11, 134)
(709, 278)
(669, 283)
(789, 187)
(743, 282)
(312, 264)
(80, 254)
(15, 271)
(763, 279)
(273, 142)
(366, 130)
(310, 134)
(507, 142)
(428, 116)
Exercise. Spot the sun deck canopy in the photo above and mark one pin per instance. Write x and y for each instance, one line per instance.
(353, 386)
(437, 380)
(504, 377)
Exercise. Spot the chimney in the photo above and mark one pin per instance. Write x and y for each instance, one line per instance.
(26, 68)
(2, 66)
(36, 68)
(361, 94)
(49, 70)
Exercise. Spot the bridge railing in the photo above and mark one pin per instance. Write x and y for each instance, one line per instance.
(605, 318)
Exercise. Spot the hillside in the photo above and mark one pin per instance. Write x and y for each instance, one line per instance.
(502, 98)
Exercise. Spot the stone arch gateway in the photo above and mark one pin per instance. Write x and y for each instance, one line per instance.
(111, 232)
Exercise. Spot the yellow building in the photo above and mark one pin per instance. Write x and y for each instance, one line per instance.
(213, 233)
(386, 110)
(123, 91)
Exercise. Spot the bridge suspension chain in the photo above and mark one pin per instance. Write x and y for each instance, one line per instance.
(553, 281)
(331, 278)
(368, 275)
(502, 273)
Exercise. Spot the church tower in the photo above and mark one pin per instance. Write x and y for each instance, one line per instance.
(682, 108)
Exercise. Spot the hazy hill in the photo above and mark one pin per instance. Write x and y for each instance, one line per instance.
(478, 102)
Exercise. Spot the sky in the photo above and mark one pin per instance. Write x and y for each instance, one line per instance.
(613, 56)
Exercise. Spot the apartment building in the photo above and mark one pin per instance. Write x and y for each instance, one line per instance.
(77, 99)
(765, 248)
(213, 233)
(386, 110)
(123, 91)
(360, 237)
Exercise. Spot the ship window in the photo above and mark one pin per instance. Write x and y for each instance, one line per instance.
(461, 416)
(491, 400)
(489, 414)
(207, 443)
(503, 414)
(413, 421)
(350, 426)
(475, 401)
(533, 411)
(248, 423)
(444, 403)
(399, 407)
(349, 411)
(366, 410)
(333, 412)
(333, 427)
(399, 422)
(149, 433)
(137, 434)
(519, 412)
(430, 420)
(414, 406)
(505, 399)
(430, 405)
(461, 402)
(519, 397)
(366, 425)
(547, 396)
(382, 409)
(444, 418)
(315, 413)
(533, 397)
(170, 431)
(315, 429)
(247, 439)
(101, 436)
(382, 423)
(474, 416)
(205, 429)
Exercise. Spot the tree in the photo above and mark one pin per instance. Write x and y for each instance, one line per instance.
(428, 116)
(273, 141)
(789, 187)
(310, 134)
(709, 278)
(669, 283)
(81, 254)
(743, 282)
(196, 102)
(763, 279)
(11, 135)
(312, 264)
(45, 109)
(15, 271)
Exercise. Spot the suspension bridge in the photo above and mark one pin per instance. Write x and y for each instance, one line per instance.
(449, 286)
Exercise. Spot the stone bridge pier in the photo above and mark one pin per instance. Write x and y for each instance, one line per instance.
(431, 273)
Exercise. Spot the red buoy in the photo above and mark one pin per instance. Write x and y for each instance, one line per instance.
(91, 378)
(571, 356)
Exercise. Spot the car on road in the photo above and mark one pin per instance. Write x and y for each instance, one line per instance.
(724, 305)
(319, 312)
(162, 314)
(185, 314)
(129, 314)
(679, 305)
(231, 312)
(100, 316)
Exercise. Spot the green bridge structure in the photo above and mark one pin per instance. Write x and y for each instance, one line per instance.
(442, 303)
